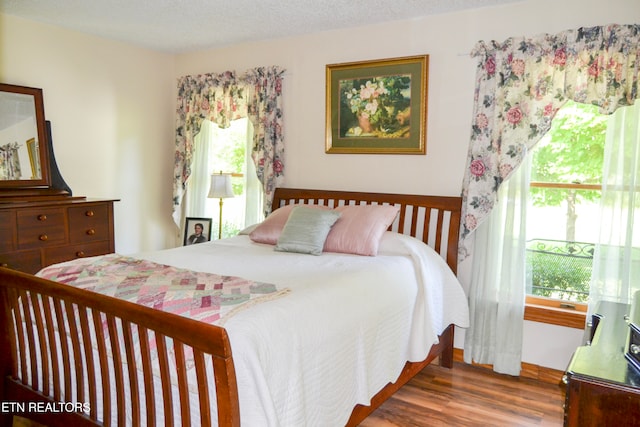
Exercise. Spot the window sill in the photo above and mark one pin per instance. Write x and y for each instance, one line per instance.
(549, 311)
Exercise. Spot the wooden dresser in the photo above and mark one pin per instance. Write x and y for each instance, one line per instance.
(603, 389)
(35, 234)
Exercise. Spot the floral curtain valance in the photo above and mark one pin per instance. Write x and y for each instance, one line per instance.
(222, 98)
(521, 83)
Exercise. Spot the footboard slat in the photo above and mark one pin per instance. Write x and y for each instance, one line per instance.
(88, 352)
(117, 368)
(42, 344)
(147, 373)
(203, 390)
(183, 389)
(77, 355)
(64, 347)
(164, 377)
(20, 346)
(52, 348)
(104, 367)
(30, 343)
(134, 391)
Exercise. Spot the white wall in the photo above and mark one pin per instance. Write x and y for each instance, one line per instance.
(112, 109)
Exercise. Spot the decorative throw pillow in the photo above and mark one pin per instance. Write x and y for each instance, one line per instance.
(306, 230)
(360, 228)
(269, 230)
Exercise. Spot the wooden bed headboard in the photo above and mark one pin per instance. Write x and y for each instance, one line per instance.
(433, 219)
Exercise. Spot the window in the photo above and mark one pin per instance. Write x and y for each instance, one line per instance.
(224, 150)
(562, 220)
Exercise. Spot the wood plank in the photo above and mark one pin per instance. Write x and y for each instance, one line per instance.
(470, 395)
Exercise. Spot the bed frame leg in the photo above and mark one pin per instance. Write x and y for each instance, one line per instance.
(446, 339)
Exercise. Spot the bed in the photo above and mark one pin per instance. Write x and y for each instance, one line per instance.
(90, 358)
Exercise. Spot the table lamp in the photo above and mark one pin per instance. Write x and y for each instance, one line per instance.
(220, 189)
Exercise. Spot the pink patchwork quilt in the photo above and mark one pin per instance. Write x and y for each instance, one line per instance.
(207, 297)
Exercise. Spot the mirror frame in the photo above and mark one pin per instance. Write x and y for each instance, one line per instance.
(43, 146)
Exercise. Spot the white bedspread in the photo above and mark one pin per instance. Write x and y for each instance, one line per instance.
(342, 333)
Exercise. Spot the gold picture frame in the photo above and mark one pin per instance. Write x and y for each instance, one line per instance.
(377, 107)
(34, 158)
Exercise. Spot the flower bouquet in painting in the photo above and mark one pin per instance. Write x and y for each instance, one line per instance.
(375, 107)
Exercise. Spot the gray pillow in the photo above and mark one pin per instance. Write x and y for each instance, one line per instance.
(306, 230)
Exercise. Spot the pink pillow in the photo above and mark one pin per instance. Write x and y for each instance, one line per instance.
(359, 229)
(269, 230)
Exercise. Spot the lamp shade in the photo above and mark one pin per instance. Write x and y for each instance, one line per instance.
(220, 186)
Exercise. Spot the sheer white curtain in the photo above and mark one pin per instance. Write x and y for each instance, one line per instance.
(616, 262)
(197, 188)
(497, 287)
(254, 191)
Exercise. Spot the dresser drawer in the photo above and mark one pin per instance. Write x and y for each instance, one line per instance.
(67, 253)
(89, 223)
(41, 227)
(27, 261)
(7, 231)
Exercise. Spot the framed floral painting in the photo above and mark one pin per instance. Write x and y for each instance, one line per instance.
(377, 107)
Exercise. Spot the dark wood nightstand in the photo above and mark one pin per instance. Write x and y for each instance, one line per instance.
(603, 389)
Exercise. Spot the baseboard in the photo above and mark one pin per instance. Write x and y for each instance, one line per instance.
(529, 370)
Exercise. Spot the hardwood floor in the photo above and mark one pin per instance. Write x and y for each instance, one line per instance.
(470, 396)
(466, 396)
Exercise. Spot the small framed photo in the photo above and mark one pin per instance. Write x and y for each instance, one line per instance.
(197, 230)
(377, 106)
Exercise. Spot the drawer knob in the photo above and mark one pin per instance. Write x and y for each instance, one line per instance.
(91, 232)
(43, 237)
(42, 217)
(634, 348)
(89, 213)
(80, 254)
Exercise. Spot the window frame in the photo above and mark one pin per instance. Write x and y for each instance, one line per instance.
(555, 312)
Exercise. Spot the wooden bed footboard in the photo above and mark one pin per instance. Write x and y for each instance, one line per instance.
(40, 369)
(97, 366)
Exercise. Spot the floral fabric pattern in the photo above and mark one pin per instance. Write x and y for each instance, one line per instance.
(10, 162)
(521, 84)
(222, 98)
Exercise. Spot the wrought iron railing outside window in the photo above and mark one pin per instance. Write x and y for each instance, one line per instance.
(559, 269)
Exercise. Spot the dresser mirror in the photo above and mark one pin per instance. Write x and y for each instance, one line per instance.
(24, 150)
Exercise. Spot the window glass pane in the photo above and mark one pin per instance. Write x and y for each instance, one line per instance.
(573, 149)
(560, 242)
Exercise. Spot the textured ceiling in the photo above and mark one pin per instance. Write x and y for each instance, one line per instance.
(186, 25)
